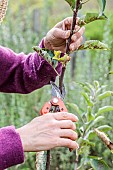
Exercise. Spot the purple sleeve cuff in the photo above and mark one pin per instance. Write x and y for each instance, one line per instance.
(11, 151)
(41, 45)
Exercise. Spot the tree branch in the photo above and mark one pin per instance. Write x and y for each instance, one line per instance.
(74, 23)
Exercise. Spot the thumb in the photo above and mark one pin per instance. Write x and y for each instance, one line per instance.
(58, 33)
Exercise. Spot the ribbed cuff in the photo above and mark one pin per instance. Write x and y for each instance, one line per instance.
(41, 45)
(11, 150)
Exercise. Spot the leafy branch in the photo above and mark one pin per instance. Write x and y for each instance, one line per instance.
(88, 126)
(76, 5)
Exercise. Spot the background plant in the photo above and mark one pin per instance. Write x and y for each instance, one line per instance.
(90, 119)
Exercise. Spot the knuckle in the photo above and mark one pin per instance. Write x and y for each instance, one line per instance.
(53, 123)
(70, 123)
(83, 29)
(74, 126)
(73, 135)
(54, 32)
(57, 114)
(74, 37)
(81, 38)
(69, 18)
(64, 115)
(49, 116)
(78, 34)
(69, 143)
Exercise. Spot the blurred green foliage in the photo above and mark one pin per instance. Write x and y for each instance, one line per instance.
(17, 32)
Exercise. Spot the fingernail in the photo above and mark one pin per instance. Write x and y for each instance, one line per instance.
(83, 28)
(77, 118)
(67, 34)
(72, 47)
(77, 146)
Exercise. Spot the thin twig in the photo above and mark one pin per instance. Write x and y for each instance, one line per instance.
(76, 161)
(61, 78)
(48, 160)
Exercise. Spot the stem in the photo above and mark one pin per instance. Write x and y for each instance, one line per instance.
(48, 160)
(61, 78)
(76, 161)
(75, 13)
(85, 2)
(48, 152)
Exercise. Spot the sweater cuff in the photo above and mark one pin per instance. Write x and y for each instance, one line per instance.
(11, 150)
(41, 45)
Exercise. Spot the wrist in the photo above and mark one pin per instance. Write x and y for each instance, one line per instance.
(23, 139)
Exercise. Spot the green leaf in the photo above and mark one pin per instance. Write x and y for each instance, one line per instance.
(85, 87)
(101, 88)
(111, 72)
(90, 17)
(86, 97)
(93, 45)
(104, 128)
(90, 116)
(63, 60)
(98, 119)
(98, 164)
(90, 135)
(47, 55)
(104, 109)
(105, 95)
(71, 3)
(96, 84)
(84, 151)
(74, 107)
(90, 86)
(91, 124)
(102, 5)
(87, 142)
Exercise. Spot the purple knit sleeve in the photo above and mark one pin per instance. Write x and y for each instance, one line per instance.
(20, 73)
(11, 151)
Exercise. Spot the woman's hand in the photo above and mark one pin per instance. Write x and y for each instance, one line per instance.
(49, 131)
(57, 36)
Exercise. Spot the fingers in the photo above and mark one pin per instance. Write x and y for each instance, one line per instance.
(59, 33)
(64, 31)
(67, 124)
(76, 44)
(67, 143)
(68, 133)
(62, 48)
(78, 34)
(65, 116)
(77, 39)
(67, 23)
